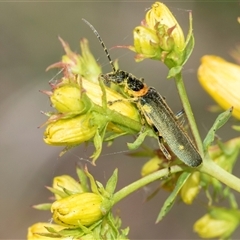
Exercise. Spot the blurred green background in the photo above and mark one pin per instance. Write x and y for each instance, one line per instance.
(29, 43)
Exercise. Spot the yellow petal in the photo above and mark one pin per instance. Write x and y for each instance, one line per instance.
(71, 131)
(40, 228)
(68, 183)
(82, 208)
(221, 79)
(159, 13)
(191, 188)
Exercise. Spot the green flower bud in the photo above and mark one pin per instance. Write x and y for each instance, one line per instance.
(84, 65)
(68, 183)
(78, 209)
(73, 131)
(146, 43)
(218, 223)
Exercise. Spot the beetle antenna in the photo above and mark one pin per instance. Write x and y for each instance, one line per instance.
(102, 43)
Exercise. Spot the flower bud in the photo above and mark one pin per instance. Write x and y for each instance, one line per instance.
(78, 209)
(146, 43)
(67, 99)
(125, 108)
(218, 223)
(160, 14)
(73, 131)
(151, 166)
(191, 188)
(84, 65)
(160, 37)
(221, 81)
(68, 183)
(34, 230)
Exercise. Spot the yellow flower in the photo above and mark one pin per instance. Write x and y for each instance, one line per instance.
(67, 99)
(125, 108)
(161, 38)
(218, 223)
(191, 188)
(78, 209)
(40, 228)
(160, 14)
(73, 131)
(146, 43)
(221, 79)
(151, 166)
(68, 183)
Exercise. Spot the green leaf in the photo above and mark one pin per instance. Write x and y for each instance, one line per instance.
(114, 135)
(172, 197)
(219, 122)
(188, 49)
(83, 179)
(97, 140)
(189, 44)
(60, 193)
(174, 71)
(93, 184)
(112, 182)
(43, 206)
(136, 144)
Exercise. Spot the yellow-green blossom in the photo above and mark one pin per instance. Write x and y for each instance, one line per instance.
(160, 15)
(191, 188)
(78, 209)
(221, 79)
(34, 230)
(151, 166)
(67, 99)
(84, 65)
(218, 223)
(160, 37)
(125, 108)
(146, 43)
(71, 131)
(68, 183)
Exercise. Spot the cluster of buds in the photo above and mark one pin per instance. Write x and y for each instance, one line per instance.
(160, 37)
(79, 212)
(81, 110)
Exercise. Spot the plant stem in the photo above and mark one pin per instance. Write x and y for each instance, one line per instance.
(215, 171)
(144, 181)
(188, 111)
(115, 117)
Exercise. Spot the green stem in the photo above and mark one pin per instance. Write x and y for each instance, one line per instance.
(188, 111)
(208, 167)
(115, 117)
(212, 169)
(144, 181)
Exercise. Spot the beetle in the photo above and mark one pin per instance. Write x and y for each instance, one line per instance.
(156, 112)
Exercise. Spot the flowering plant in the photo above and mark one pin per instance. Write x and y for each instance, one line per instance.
(87, 110)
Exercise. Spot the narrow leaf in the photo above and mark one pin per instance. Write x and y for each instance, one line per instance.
(219, 122)
(172, 197)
